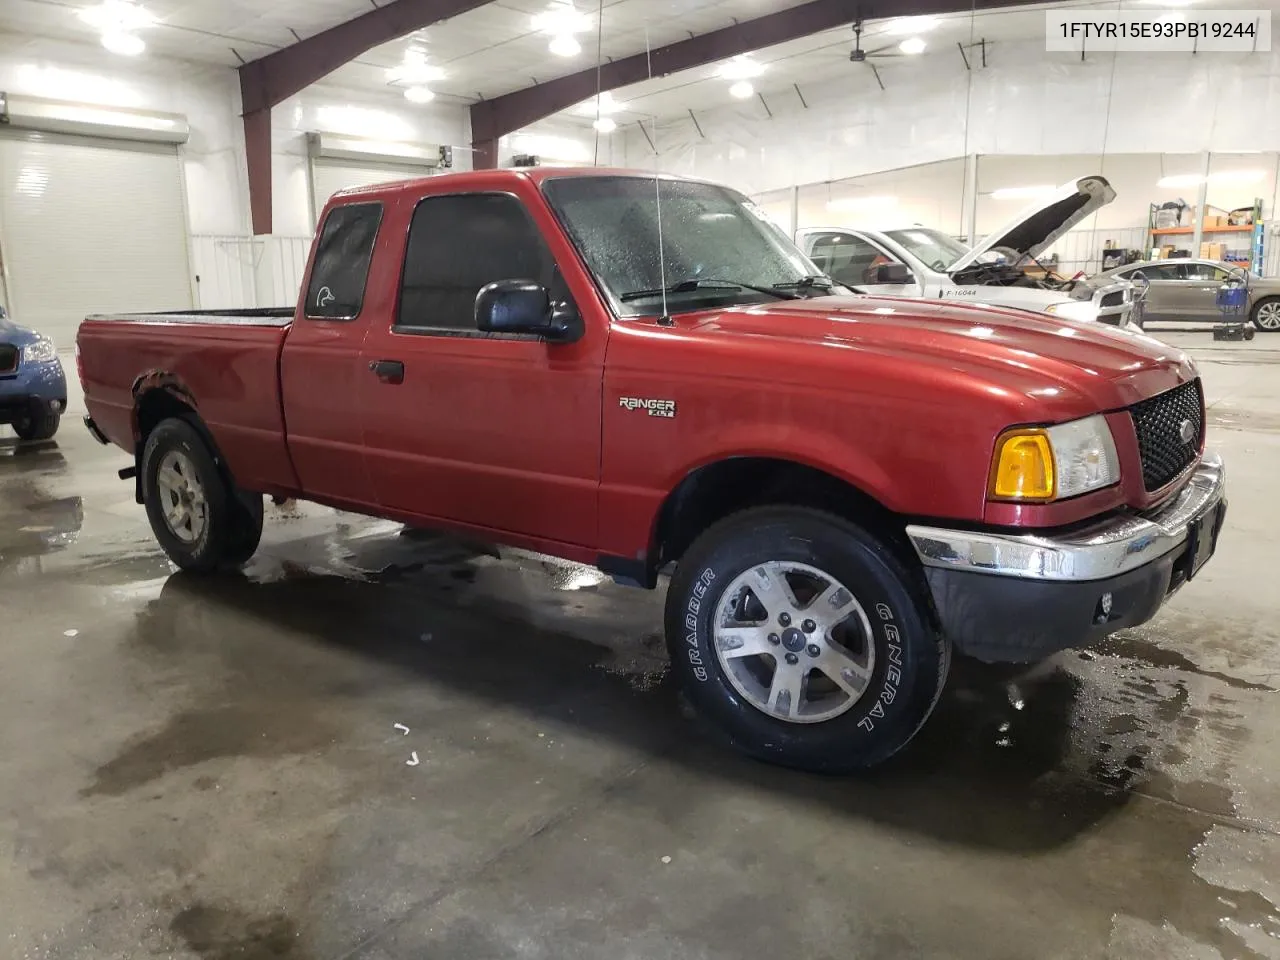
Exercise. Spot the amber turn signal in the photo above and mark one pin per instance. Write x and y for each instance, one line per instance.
(1023, 467)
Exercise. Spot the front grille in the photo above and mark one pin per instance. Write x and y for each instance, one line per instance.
(1112, 299)
(1159, 423)
(8, 357)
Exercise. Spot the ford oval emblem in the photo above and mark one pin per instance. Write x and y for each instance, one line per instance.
(1186, 431)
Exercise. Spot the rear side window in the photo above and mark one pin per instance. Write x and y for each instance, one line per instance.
(460, 243)
(341, 268)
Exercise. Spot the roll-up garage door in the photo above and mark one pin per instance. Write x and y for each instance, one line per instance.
(90, 225)
(328, 176)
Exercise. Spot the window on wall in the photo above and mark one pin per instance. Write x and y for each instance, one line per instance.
(341, 267)
(459, 244)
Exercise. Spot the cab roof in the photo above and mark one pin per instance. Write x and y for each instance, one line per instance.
(490, 178)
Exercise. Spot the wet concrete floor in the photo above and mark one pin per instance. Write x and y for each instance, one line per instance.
(211, 768)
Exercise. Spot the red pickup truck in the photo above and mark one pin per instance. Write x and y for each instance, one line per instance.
(643, 372)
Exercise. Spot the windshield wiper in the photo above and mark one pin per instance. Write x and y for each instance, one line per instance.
(695, 283)
(817, 281)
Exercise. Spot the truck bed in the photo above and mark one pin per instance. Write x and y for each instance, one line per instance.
(225, 362)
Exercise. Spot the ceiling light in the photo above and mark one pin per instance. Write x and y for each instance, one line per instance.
(561, 18)
(564, 45)
(419, 94)
(1180, 180)
(912, 46)
(414, 69)
(605, 125)
(602, 105)
(1022, 193)
(126, 44)
(742, 90)
(905, 26)
(117, 16)
(741, 67)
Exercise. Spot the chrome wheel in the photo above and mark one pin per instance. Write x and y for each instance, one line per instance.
(1268, 316)
(794, 642)
(182, 497)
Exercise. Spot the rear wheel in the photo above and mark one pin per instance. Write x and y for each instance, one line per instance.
(804, 640)
(40, 424)
(199, 518)
(1266, 315)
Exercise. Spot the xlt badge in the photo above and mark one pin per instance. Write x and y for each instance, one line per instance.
(655, 408)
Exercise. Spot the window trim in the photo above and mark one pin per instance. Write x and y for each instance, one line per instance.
(463, 333)
(377, 233)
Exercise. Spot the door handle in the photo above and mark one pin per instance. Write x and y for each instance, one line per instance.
(388, 371)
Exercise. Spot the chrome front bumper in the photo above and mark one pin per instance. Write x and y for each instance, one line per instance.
(1103, 550)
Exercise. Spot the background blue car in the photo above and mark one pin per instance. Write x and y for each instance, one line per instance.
(33, 387)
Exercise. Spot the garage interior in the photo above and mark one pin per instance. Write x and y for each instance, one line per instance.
(379, 742)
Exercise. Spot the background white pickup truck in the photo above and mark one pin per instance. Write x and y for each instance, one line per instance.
(921, 262)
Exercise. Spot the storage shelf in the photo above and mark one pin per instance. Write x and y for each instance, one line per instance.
(1247, 228)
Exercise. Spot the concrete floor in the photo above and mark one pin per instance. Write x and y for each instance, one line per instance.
(211, 768)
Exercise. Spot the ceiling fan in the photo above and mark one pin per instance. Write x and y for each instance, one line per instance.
(890, 51)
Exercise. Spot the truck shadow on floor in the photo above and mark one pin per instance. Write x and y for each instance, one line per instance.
(1010, 760)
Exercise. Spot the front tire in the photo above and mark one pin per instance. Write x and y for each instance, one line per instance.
(40, 424)
(1266, 315)
(197, 515)
(804, 640)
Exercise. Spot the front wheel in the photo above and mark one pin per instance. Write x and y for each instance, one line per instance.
(1266, 315)
(804, 640)
(40, 424)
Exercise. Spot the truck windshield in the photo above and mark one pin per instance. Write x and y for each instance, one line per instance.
(709, 234)
(934, 248)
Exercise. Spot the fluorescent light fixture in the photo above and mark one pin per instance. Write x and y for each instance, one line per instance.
(125, 44)
(602, 105)
(605, 125)
(117, 16)
(1179, 181)
(861, 203)
(564, 45)
(741, 67)
(561, 18)
(912, 45)
(419, 94)
(909, 26)
(1022, 193)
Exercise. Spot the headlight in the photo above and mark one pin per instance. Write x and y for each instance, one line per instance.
(1053, 463)
(1073, 310)
(42, 351)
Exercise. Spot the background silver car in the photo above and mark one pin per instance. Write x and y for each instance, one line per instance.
(1185, 289)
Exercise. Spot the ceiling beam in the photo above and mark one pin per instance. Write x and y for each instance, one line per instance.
(270, 80)
(495, 118)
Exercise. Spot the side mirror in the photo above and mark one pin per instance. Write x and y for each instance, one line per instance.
(524, 306)
(893, 273)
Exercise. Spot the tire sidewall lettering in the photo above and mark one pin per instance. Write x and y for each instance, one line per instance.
(693, 607)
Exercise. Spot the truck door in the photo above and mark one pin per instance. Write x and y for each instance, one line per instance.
(320, 366)
(855, 261)
(494, 432)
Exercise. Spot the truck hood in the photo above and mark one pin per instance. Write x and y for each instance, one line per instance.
(1041, 224)
(1065, 368)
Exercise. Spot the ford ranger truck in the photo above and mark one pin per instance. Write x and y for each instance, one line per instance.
(916, 261)
(642, 373)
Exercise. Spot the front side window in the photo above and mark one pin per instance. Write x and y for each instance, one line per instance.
(711, 238)
(848, 258)
(341, 266)
(457, 245)
(1162, 271)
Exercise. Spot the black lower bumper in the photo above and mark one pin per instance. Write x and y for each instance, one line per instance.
(95, 431)
(16, 409)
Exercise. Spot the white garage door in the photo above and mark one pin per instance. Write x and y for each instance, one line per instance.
(90, 226)
(330, 176)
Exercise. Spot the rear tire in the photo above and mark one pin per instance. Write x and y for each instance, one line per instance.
(41, 424)
(201, 521)
(804, 640)
(1266, 315)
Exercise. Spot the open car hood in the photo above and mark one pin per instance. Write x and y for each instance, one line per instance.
(1042, 223)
